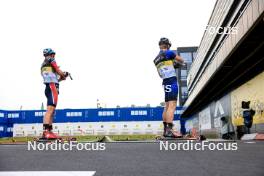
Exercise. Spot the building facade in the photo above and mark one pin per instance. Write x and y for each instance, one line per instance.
(225, 81)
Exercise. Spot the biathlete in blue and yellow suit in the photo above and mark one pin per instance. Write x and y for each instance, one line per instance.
(165, 63)
(52, 75)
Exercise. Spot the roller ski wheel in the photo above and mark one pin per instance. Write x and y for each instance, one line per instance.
(193, 135)
(166, 138)
(69, 139)
(45, 140)
(73, 139)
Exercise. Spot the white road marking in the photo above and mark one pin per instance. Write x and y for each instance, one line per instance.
(48, 173)
(250, 142)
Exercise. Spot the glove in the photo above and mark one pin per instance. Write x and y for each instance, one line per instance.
(67, 74)
(177, 64)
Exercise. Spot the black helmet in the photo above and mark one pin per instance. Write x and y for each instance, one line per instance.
(165, 41)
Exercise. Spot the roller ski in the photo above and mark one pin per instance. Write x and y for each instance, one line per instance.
(174, 135)
(49, 137)
(169, 134)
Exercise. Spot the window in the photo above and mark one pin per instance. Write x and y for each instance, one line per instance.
(187, 57)
(184, 92)
(184, 89)
(183, 74)
(194, 55)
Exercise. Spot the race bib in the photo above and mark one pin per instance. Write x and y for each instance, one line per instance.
(166, 69)
(48, 75)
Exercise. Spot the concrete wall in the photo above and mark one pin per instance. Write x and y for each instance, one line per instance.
(252, 91)
(230, 106)
(207, 121)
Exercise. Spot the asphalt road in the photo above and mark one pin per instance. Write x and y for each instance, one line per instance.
(131, 159)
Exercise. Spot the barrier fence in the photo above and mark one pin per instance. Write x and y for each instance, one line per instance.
(147, 120)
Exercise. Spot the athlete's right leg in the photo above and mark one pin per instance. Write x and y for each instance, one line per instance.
(47, 123)
(48, 118)
(164, 117)
(170, 111)
(170, 106)
(51, 93)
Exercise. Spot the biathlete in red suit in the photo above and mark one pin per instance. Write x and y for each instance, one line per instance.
(52, 75)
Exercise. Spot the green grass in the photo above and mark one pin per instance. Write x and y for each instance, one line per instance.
(15, 139)
(84, 138)
(131, 137)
